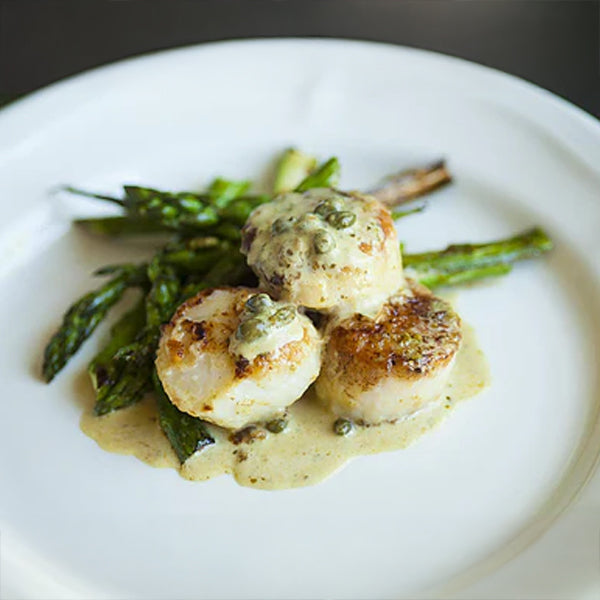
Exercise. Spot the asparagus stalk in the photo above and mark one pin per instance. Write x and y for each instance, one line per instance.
(465, 276)
(124, 226)
(326, 176)
(196, 256)
(400, 214)
(461, 263)
(149, 210)
(133, 363)
(226, 231)
(230, 269)
(103, 368)
(238, 211)
(191, 256)
(187, 434)
(293, 167)
(408, 185)
(222, 191)
(161, 299)
(94, 195)
(131, 368)
(173, 210)
(84, 316)
(120, 226)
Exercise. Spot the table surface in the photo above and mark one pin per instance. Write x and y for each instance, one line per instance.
(555, 44)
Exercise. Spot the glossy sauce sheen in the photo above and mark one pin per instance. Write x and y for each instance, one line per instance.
(304, 454)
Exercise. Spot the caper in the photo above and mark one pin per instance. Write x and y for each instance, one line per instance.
(251, 330)
(283, 316)
(328, 206)
(282, 225)
(323, 242)
(277, 425)
(343, 427)
(341, 220)
(258, 303)
(308, 222)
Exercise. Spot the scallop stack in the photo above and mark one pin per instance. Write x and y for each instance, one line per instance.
(384, 345)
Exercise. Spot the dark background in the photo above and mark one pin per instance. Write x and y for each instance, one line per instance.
(552, 43)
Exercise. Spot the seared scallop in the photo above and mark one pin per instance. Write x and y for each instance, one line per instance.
(388, 367)
(233, 356)
(324, 248)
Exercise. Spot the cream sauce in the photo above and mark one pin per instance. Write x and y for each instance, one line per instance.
(323, 248)
(304, 454)
(281, 325)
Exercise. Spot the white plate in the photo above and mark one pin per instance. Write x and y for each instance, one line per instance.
(454, 514)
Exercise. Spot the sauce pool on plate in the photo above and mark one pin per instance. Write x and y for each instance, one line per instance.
(305, 453)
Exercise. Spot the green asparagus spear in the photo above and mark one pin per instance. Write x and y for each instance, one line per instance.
(187, 434)
(222, 191)
(191, 256)
(230, 269)
(195, 256)
(149, 210)
(460, 263)
(84, 316)
(103, 369)
(187, 209)
(134, 362)
(184, 209)
(400, 214)
(131, 367)
(225, 231)
(238, 211)
(292, 169)
(78, 192)
(171, 210)
(120, 268)
(326, 175)
(464, 276)
(119, 226)
(163, 293)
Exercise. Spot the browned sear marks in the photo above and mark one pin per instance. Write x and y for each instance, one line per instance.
(242, 366)
(411, 337)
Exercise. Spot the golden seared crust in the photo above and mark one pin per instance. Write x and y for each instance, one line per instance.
(412, 336)
(185, 337)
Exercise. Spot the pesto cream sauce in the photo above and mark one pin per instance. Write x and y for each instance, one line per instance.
(304, 454)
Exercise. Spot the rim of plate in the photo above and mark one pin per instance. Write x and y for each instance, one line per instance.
(49, 95)
(23, 117)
